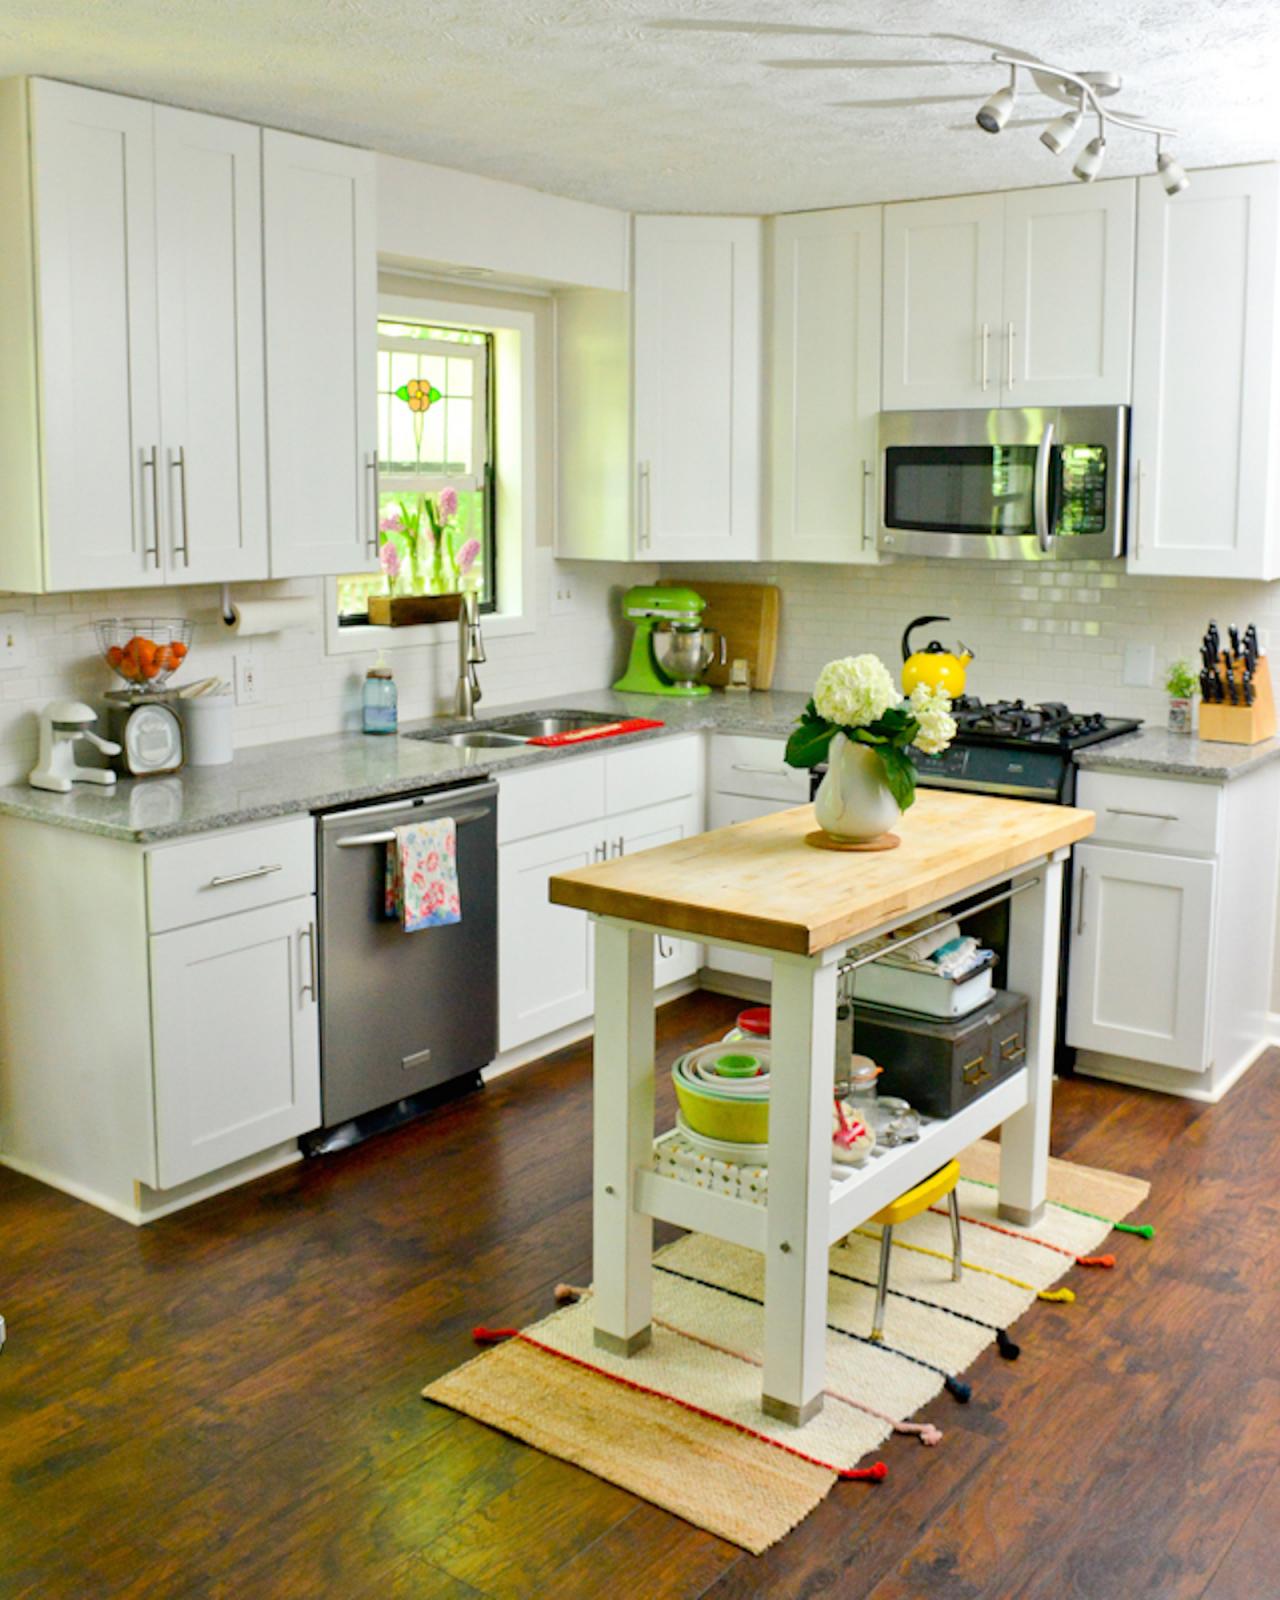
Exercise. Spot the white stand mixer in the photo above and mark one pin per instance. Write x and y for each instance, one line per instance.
(62, 722)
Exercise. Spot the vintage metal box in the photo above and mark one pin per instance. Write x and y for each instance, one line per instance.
(939, 1065)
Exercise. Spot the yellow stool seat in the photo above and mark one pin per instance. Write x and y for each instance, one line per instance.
(921, 1197)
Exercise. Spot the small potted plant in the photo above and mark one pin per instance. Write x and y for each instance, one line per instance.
(859, 723)
(1180, 685)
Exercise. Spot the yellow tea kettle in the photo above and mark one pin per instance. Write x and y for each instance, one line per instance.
(933, 665)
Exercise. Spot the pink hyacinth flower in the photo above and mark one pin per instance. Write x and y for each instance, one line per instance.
(389, 559)
(447, 503)
(391, 523)
(467, 555)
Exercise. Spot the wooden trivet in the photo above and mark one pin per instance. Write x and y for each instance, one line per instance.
(824, 841)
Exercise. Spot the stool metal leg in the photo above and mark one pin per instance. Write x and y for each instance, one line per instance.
(882, 1286)
(957, 1265)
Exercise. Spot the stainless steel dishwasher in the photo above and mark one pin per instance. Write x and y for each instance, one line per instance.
(401, 1013)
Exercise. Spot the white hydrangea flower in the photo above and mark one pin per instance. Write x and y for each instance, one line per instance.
(932, 710)
(854, 691)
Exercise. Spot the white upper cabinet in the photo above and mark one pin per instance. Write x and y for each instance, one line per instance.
(321, 273)
(94, 246)
(1018, 299)
(943, 261)
(824, 384)
(132, 435)
(212, 400)
(697, 341)
(1203, 497)
(1068, 295)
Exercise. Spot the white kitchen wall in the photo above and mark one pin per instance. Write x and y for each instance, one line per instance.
(1041, 631)
(303, 690)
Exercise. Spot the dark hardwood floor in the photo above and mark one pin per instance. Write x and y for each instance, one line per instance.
(226, 1403)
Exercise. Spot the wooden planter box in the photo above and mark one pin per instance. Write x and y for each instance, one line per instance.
(407, 610)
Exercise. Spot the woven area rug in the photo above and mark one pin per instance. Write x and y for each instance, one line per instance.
(680, 1423)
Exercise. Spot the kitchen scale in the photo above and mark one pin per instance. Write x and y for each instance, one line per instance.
(142, 718)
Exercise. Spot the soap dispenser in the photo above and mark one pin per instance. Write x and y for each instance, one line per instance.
(380, 699)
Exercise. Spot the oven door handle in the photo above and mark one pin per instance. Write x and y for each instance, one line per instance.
(1040, 489)
(388, 836)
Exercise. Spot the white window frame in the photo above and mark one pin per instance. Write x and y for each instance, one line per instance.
(515, 473)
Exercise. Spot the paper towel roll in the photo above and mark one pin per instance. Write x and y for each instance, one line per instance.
(252, 617)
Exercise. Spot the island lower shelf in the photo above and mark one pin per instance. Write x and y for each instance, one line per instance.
(856, 1192)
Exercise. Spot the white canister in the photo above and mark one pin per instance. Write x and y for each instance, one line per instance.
(206, 722)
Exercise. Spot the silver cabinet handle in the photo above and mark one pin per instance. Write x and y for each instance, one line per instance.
(1008, 358)
(618, 845)
(371, 467)
(763, 772)
(600, 852)
(665, 951)
(243, 877)
(1137, 508)
(985, 345)
(644, 495)
(151, 464)
(1151, 816)
(866, 509)
(309, 934)
(178, 464)
(1084, 875)
(387, 835)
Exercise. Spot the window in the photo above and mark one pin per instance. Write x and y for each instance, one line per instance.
(435, 447)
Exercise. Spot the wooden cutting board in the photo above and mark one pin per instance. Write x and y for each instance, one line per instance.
(746, 615)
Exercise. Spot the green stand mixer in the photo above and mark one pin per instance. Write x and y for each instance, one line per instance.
(671, 648)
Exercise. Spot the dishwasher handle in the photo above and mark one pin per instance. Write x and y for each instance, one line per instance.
(387, 836)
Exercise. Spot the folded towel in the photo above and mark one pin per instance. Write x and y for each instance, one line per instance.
(422, 875)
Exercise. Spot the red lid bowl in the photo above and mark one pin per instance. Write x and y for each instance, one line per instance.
(757, 1020)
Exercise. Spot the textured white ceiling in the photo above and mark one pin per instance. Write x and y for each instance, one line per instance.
(683, 105)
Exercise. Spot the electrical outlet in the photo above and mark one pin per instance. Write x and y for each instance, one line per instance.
(248, 681)
(562, 597)
(1139, 665)
(13, 640)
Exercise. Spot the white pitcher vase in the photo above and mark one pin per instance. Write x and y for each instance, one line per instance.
(854, 803)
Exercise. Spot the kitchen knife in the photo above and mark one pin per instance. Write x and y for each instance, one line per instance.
(1208, 686)
(1234, 635)
(1248, 686)
(1212, 638)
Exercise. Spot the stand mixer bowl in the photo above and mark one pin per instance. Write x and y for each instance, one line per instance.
(683, 651)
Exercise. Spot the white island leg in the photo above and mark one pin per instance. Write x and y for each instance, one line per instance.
(622, 1133)
(795, 1272)
(1035, 923)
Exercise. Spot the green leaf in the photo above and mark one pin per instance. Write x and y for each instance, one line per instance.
(809, 742)
(402, 393)
(864, 735)
(899, 774)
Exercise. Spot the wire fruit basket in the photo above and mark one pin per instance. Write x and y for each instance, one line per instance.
(144, 651)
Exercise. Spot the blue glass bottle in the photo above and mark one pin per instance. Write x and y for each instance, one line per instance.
(380, 699)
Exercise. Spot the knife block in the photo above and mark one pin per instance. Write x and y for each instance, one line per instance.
(1228, 724)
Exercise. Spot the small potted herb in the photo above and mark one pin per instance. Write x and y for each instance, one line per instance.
(1181, 687)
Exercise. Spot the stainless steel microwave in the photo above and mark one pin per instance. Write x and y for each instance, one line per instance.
(1005, 485)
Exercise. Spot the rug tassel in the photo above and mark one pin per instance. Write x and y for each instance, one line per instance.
(493, 1335)
(924, 1431)
(568, 1294)
(1006, 1346)
(1144, 1230)
(1065, 1296)
(872, 1474)
(1095, 1261)
(957, 1387)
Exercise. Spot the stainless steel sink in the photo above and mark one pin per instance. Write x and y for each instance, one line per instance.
(472, 739)
(533, 727)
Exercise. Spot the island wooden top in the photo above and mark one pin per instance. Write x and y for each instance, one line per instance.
(758, 882)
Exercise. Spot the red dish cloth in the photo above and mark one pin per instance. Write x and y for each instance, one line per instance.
(600, 730)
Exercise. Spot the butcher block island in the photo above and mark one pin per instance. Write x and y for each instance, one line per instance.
(758, 885)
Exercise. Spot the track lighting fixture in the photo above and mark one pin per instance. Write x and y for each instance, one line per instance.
(1059, 134)
(993, 116)
(1089, 162)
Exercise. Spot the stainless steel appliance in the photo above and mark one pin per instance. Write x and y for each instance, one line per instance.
(1005, 485)
(402, 1013)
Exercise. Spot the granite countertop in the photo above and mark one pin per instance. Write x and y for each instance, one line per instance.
(1161, 754)
(302, 775)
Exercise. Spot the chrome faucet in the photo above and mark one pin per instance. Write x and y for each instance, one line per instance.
(470, 654)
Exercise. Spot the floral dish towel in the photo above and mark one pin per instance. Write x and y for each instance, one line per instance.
(422, 875)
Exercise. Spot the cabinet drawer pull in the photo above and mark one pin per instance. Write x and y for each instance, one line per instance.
(644, 493)
(1012, 1049)
(178, 464)
(309, 934)
(763, 772)
(619, 844)
(1009, 355)
(151, 464)
(243, 877)
(986, 356)
(867, 513)
(1151, 816)
(371, 467)
(974, 1071)
(600, 852)
(1084, 875)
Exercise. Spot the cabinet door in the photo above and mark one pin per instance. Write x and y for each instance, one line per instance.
(321, 274)
(824, 385)
(697, 311)
(1068, 295)
(645, 830)
(943, 263)
(93, 180)
(212, 398)
(544, 951)
(1204, 413)
(1141, 944)
(235, 1036)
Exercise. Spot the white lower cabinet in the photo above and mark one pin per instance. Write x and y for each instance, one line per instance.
(1142, 944)
(236, 1037)
(645, 830)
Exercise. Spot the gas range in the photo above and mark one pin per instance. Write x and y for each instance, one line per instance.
(1014, 749)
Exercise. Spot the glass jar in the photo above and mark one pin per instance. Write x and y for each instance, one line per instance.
(860, 1095)
(754, 1023)
(380, 700)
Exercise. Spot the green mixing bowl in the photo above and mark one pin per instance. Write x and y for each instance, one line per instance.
(721, 1116)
